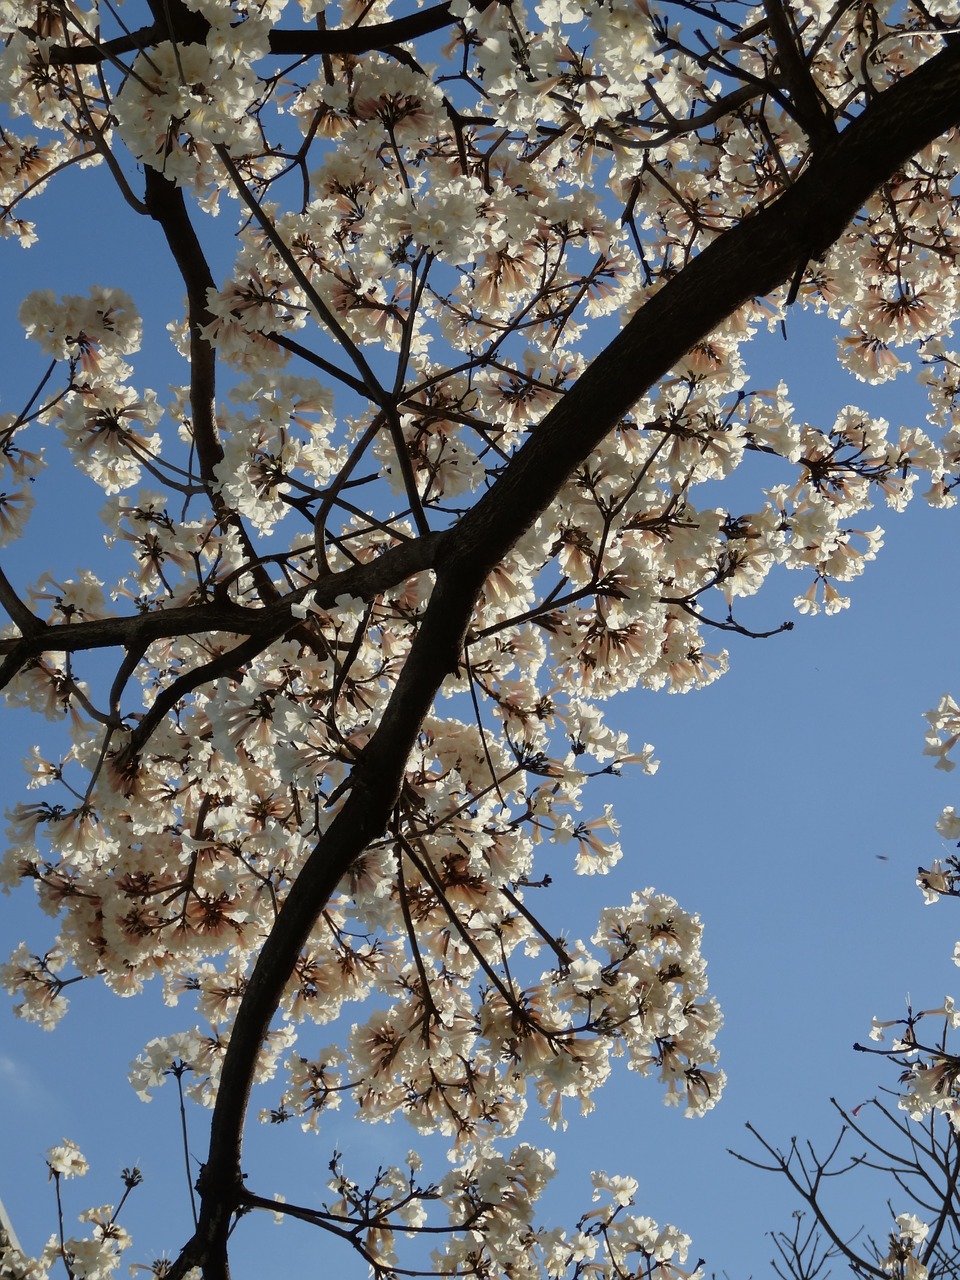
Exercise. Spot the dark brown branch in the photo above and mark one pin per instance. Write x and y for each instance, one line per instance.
(134, 631)
(324, 313)
(304, 44)
(232, 660)
(406, 468)
(809, 107)
(363, 581)
(357, 40)
(750, 260)
(85, 55)
(165, 203)
(311, 357)
(26, 620)
(676, 128)
(807, 1185)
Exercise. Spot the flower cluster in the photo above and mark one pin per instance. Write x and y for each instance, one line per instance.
(94, 1256)
(902, 1261)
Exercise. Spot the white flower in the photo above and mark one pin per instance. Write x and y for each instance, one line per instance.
(621, 1190)
(585, 975)
(349, 611)
(67, 1160)
(911, 1228)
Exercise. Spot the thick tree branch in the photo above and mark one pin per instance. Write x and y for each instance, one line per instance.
(304, 44)
(132, 631)
(809, 107)
(363, 581)
(165, 203)
(358, 40)
(26, 620)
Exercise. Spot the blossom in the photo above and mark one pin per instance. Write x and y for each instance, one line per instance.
(911, 1228)
(944, 732)
(621, 1190)
(67, 1160)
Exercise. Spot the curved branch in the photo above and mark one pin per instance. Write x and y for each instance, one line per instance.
(165, 204)
(133, 631)
(20, 613)
(363, 581)
(305, 44)
(167, 699)
(357, 40)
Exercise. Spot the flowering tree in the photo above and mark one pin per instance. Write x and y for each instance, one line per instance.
(367, 597)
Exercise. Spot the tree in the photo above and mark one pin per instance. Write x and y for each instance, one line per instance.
(415, 482)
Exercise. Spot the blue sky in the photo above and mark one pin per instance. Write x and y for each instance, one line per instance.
(791, 810)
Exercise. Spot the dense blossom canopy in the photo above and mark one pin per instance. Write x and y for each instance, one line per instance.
(376, 565)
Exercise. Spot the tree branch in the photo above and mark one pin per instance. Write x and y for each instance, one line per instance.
(165, 203)
(809, 108)
(363, 581)
(306, 43)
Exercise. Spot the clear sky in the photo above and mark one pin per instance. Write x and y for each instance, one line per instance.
(791, 810)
